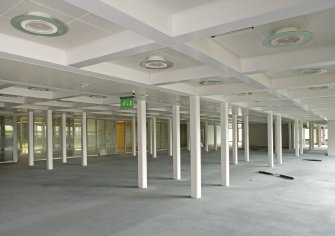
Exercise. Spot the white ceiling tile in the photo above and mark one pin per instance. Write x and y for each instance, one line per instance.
(63, 7)
(7, 5)
(102, 23)
(27, 6)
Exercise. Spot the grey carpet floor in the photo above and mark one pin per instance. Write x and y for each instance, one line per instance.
(102, 198)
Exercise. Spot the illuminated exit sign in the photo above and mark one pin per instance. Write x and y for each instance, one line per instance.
(127, 102)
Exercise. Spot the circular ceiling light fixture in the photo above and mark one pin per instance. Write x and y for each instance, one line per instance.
(311, 71)
(319, 88)
(211, 82)
(97, 96)
(156, 62)
(8, 96)
(38, 89)
(38, 23)
(242, 94)
(287, 36)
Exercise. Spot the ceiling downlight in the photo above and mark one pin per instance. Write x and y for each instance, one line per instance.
(211, 82)
(319, 88)
(38, 89)
(311, 71)
(156, 62)
(288, 36)
(38, 23)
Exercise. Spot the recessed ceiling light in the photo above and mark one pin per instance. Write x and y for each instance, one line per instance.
(211, 82)
(156, 62)
(311, 71)
(97, 96)
(84, 85)
(38, 89)
(319, 88)
(8, 96)
(38, 23)
(242, 94)
(287, 36)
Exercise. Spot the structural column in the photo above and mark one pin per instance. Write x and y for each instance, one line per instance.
(289, 126)
(311, 136)
(63, 123)
(195, 147)
(150, 137)
(279, 150)
(206, 136)
(176, 141)
(296, 137)
(170, 137)
(319, 135)
(270, 140)
(188, 137)
(31, 138)
(133, 129)
(235, 141)
(154, 138)
(301, 138)
(246, 135)
(49, 141)
(224, 144)
(215, 137)
(15, 155)
(142, 142)
(84, 139)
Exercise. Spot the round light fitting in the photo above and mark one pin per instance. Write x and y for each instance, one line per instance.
(319, 88)
(288, 36)
(211, 82)
(156, 62)
(97, 96)
(38, 23)
(38, 89)
(311, 71)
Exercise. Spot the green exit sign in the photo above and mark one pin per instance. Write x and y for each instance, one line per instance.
(127, 102)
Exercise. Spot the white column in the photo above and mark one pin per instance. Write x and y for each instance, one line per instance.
(142, 142)
(319, 135)
(215, 137)
(116, 137)
(279, 140)
(15, 156)
(270, 140)
(289, 126)
(133, 129)
(150, 137)
(83, 139)
(296, 137)
(312, 136)
(235, 141)
(31, 138)
(188, 137)
(224, 144)
(301, 138)
(63, 129)
(49, 165)
(170, 137)
(176, 141)
(154, 137)
(206, 136)
(246, 135)
(195, 147)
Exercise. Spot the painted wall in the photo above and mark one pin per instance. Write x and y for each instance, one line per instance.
(331, 137)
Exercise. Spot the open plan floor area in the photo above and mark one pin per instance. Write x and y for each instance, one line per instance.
(103, 199)
(167, 117)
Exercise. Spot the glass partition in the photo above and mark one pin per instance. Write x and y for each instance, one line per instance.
(6, 139)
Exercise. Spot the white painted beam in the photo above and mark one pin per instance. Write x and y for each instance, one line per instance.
(235, 141)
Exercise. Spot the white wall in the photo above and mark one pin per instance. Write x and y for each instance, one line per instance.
(331, 137)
